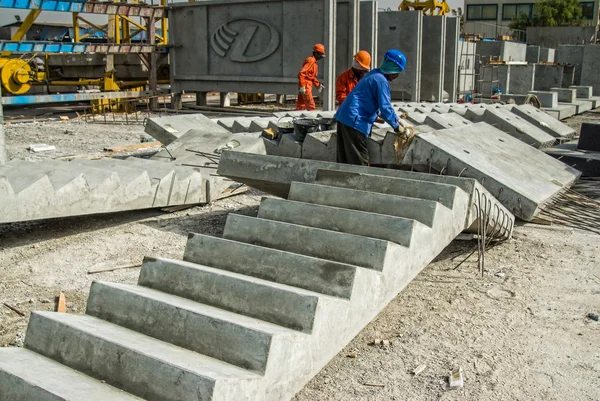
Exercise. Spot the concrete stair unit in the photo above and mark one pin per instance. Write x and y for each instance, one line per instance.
(253, 315)
(52, 188)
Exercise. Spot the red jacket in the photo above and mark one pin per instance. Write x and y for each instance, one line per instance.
(344, 85)
(307, 76)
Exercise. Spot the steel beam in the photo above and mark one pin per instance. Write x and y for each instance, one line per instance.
(68, 47)
(90, 7)
(76, 97)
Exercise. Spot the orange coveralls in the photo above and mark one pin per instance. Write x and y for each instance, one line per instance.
(344, 85)
(307, 77)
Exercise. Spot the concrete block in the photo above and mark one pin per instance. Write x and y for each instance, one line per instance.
(27, 376)
(319, 275)
(583, 92)
(573, 55)
(589, 137)
(369, 29)
(521, 78)
(547, 98)
(586, 162)
(139, 364)
(532, 55)
(255, 56)
(451, 58)
(589, 67)
(581, 106)
(289, 146)
(522, 177)
(547, 55)
(548, 76)
(517, 127)
(502, 50)
(543, 121)
(568, 76)
(388, 228)
(320, 146)
(565, 95)
(403, 30)
(170, 128)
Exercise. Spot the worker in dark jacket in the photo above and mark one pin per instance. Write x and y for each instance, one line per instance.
(307, 78)
(371, 97)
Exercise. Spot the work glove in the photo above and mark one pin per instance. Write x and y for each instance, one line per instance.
(400, 130)
(302, 90)
(321, 88)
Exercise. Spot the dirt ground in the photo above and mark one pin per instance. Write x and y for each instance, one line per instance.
(520, 332)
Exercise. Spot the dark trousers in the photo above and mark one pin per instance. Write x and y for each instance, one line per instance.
(351, 146)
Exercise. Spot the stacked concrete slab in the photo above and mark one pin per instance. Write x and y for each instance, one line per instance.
(256, 314)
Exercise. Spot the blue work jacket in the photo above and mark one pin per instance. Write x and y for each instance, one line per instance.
(370, 97)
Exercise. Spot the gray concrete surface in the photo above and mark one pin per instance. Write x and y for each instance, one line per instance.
(546, 97)
(244, 49)
(369, 30)
(583, 92)
(403, 31)
(556, 36)
(521, 177)
(547, 54)
(451, 58)
(543, 121)
(433, 58)
(589, 67)
(532, 55)
(168, 129)
(548, 76)
(571, 54)
(346, 33)
(320, 146)
(565, 95)
(521, 79)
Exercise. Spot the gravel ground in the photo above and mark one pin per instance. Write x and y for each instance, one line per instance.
(520, 332)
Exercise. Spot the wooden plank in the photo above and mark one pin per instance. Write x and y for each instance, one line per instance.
(129, 148)
(61, 304)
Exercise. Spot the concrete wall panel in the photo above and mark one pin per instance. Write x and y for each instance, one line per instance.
(432, 58)
(570, 54)
(561, 35)
(532, 54)
(590, 67)
(250, 45)
(451, 58)
(369, 26)
(548, 76)
(346, 34)
(521, 79)
(403, 31)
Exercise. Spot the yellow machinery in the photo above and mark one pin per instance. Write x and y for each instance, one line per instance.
(16, 76)
(429, 7)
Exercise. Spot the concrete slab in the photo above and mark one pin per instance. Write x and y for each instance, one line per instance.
(548, 76)
(521, 78)
(521, 177)
(573, 55)
(582, 106)
(168, 129)
(589, 67)
(403, 31)
(544, 121)
(346, 34)
(547, 99)
(517, 127)
(562, 110)
(442, 121)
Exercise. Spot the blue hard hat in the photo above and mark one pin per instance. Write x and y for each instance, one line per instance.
(397, 57)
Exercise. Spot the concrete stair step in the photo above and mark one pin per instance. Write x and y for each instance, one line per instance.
(6, 189)
(94, 176)
(279, 304)
(331, 245)
(373, 225)
(233, 338)
(420, 210)
(410, 188)
(314, 274)
(136, 363)
(59, 173)
(22, 178)
(27, 376)
(156, 168)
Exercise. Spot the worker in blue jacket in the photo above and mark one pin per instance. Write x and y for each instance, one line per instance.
(369, 99)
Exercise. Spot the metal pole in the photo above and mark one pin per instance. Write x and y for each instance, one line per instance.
(596, 16)
(151, 38)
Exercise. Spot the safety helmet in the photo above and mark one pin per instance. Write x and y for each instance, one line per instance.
(397, 57)
(364, 59)
(319, 48)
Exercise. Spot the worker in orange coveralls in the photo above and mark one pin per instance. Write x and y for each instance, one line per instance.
(348, 79)
(307, 77)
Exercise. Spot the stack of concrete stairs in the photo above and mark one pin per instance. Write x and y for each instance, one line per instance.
(51, 188)
(256, 314)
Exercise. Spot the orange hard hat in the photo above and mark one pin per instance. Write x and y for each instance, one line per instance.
(319, 48)
(364, 59)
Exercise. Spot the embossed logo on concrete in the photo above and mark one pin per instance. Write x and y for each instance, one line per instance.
(257, 40)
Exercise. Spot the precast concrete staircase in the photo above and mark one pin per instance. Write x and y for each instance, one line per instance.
(51, 188)
(256, 314)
